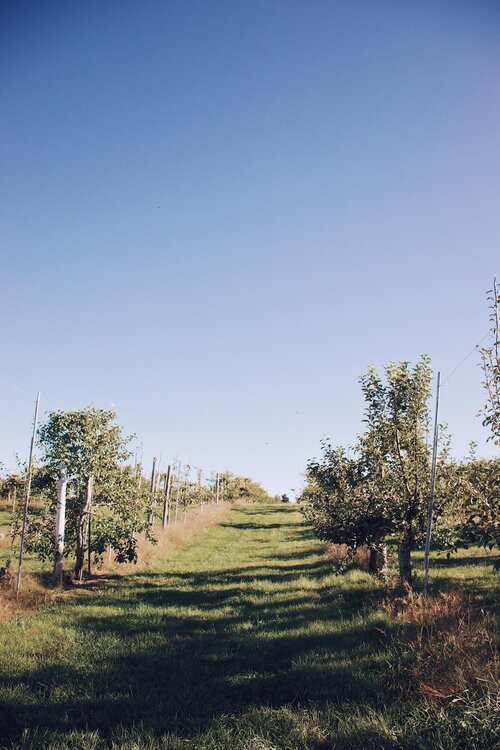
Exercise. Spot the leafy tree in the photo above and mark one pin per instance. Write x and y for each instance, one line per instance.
(342, 505)
(382, 486)
(93, 449)
(11, 487)
(396, 443)
(473, 515)
(490, 360)
(237, 488)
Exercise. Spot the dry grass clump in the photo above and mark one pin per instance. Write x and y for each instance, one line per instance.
(341, 554)
(444, 649)
(33, 595)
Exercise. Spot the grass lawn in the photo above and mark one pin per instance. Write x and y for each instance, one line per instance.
(243, 638)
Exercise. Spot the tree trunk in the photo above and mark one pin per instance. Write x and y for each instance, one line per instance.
(404, 558)
(378, 559)
(80, 532)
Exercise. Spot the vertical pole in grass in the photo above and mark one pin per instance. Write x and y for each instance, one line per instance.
(157, 478)
(430, 506)
(177, 490)
(90, 492)
(60, 525)
(199, 490)
(217, 487)
(13, 524)
(152, 491)
(166, 499)
(27, 496)
(185, 492)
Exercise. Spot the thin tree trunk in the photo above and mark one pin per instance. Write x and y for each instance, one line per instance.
(80, 532)
(378, 559)
(404, 559)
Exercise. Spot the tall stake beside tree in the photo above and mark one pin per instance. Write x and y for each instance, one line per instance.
(166, 499)
(27, 496)
(60, 525)
(177, 491)
(430, 507)
(158, 474)
(152, 489)
(89, 526)
(185, 491)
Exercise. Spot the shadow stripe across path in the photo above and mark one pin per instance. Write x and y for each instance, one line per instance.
(248, 614)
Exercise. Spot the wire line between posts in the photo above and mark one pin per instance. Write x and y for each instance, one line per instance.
(16, 388)
(474, 348)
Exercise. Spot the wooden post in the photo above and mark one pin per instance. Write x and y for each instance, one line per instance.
(27, 497)
(166, 499)
(217, 487)
(431, 494)
(158, 474)
(60, 525)
(153, 476)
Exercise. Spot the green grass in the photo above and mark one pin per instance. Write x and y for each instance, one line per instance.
(243, 639)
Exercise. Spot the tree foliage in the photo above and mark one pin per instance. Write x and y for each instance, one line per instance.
(473, 511)
(381, 486)
(236, 488)
(340, 500)
(91, 445)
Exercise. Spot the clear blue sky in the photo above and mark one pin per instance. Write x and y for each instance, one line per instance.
(216, 215)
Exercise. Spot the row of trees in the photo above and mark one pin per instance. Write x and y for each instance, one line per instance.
(108, 500)
(378, 489)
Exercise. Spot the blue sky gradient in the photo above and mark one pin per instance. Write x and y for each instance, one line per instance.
(216, 215)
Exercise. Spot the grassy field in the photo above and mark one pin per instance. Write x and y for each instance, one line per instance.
(242, 638)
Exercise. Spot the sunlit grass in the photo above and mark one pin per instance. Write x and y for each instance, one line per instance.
(243, 638)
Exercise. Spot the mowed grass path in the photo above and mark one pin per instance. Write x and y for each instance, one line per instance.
(243, 638)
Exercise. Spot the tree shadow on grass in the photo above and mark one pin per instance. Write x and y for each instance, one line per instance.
(460, 562)
(191, 646)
